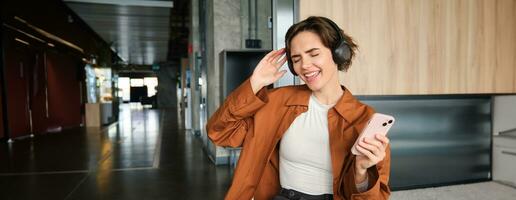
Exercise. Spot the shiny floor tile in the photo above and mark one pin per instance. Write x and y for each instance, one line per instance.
(146, 155)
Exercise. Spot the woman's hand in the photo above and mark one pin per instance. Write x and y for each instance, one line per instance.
(266, 72)
(373, 151)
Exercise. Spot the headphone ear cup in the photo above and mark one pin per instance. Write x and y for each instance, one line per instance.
(342, 53)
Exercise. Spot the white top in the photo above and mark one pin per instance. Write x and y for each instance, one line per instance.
(304, 154)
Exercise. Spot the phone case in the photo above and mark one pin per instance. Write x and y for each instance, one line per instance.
(378, 124)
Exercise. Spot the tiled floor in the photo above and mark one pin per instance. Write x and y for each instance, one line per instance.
(144, 156)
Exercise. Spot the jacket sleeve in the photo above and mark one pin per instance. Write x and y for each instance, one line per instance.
(378, 175)
(230, 123)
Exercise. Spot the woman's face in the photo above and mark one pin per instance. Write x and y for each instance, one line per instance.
(312, 61)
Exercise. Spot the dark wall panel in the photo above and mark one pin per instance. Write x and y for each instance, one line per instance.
(38, 95)
(2, 132)
(17, 59)
(437, 140)
(61, 105)
(64, 102)
(27, 88)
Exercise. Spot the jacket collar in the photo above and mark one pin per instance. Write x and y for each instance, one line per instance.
(346, 106)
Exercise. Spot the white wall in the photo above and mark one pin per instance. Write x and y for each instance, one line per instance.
(504, 113)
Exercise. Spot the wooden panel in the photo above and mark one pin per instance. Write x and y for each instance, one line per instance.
(426, 46)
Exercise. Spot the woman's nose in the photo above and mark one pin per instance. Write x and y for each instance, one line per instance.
(305, 63)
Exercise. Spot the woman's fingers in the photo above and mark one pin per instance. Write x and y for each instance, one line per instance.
(269, 55)
(274, 57)
(374, 146)
(277, 58)
(370, 147)
(365, 152)
(281, 62)
(266, 72)
(374, 142)
(373, 149)
(279, 74)
(384, 140)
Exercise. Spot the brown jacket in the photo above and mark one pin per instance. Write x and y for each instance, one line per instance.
(257, 123)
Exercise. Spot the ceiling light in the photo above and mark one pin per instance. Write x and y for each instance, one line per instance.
(22, 41)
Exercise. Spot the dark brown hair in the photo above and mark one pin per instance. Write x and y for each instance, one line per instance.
(329, 37)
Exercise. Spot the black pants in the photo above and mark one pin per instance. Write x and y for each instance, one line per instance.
(286, 194)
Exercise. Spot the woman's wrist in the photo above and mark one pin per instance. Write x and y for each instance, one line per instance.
(360, 175)
(255, 85)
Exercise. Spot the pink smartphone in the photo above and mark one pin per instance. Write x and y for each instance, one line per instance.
(378, 124)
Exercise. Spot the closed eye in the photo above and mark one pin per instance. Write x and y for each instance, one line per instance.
(295, 60)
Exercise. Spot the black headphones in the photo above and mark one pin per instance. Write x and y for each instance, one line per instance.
(341, 53)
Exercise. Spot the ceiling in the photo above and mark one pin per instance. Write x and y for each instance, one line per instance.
(137, 30)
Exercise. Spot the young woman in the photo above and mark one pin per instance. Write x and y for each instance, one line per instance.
(296, 140)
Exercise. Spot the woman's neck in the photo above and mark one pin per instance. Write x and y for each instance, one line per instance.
(330, 93)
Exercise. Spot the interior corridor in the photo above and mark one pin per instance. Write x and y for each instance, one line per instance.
(146, 155)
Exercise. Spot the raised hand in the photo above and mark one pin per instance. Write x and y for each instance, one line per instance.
(267, 70)
(373, 151)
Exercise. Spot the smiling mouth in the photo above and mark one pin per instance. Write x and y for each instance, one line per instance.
(311, 76)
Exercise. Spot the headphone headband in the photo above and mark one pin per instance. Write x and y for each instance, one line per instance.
(335, 27)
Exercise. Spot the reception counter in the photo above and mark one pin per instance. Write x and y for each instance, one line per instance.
(98, 114)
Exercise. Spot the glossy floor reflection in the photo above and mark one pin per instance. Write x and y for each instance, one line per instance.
(144, 156)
